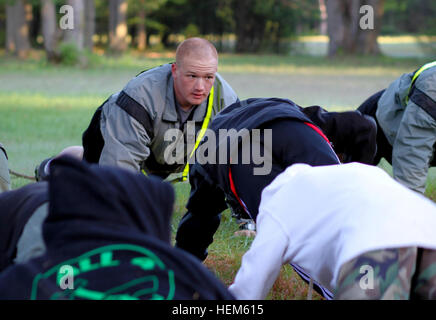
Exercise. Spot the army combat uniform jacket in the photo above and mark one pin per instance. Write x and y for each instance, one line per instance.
(129, 129)
(408, 120)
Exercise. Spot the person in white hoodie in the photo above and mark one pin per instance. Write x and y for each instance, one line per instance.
(351, 227)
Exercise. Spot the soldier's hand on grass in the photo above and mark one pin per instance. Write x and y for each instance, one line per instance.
(246, 233)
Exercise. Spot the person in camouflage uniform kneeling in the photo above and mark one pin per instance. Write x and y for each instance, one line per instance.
(390, 274)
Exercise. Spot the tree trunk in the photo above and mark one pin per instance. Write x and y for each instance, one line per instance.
(89, 24)
(323, 16)
(142, 34)
(249, 27)
(367, 40)
(48, 18)
(117, 25)
(344, 27)
(10, 28)
(350, 14)
(31, 33)
(335, 26)
(76, 35)
(17, 34)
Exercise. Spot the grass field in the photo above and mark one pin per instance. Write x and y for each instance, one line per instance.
(45, 108)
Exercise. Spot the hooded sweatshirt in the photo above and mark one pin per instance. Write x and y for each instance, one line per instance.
(108, 237)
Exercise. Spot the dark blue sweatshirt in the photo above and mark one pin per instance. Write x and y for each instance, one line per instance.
(108, 237)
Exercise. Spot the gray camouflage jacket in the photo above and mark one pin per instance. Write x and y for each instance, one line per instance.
(142, 144)
(410, 127)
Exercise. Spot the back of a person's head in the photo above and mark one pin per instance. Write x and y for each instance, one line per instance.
(104, 196)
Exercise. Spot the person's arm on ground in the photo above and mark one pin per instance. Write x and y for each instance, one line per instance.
(198, 226)
(261, 264)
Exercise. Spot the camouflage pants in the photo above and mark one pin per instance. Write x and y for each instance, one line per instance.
(390, 274)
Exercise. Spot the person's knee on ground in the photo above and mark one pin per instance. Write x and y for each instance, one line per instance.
(72, 151)
(31, 243)
(42, 170)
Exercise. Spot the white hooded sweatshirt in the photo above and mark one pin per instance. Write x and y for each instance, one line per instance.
(321, 217)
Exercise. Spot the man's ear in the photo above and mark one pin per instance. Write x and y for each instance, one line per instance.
(173, 69)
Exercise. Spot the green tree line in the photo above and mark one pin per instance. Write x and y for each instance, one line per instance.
(256, 25)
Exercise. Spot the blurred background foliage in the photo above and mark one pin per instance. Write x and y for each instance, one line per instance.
(239, 26)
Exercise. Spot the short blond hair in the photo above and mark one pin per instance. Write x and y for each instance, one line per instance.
(197, 47)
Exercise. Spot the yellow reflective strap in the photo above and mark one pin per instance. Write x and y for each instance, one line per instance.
(417, 73)
(143, 171)
(201, 133)
(424, 67)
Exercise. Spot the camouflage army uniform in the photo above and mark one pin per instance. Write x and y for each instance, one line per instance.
(130, 129)
(406, 117)
(390, 274)
(5, 180)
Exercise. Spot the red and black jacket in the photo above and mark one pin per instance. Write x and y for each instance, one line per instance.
(254, 114)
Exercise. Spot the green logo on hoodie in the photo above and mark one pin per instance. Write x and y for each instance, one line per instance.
(71, 278)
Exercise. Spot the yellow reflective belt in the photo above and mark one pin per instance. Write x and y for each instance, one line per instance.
(417, 73)
(200, 134)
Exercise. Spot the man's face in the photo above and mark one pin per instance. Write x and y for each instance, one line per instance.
(193, 79)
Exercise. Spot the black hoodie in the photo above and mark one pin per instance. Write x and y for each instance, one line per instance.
(108, 236)
(352, 133)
